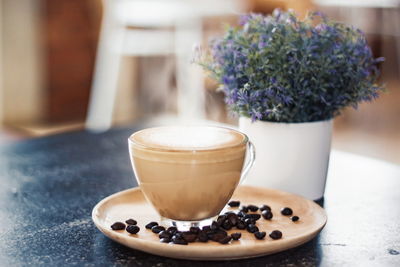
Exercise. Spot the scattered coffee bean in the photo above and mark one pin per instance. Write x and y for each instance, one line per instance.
(210, 234)
(172, 230)
(216, 231)
(227, 225)
(131, 222)
(244, 209)
(164, 234)
(286, 211)
(254, 217)
(276, 234)
(178, 234)
(241, 214)
(132, 229)
(260, 235)
(157, 229)
(214, 225)
(202, 237)
(151, 225)
(267, 214)
(206, 228)
(233, 219)
(218, 236)
(249, 221)
(252, 208)
(225, 240)
(251, 228)
(265, 207)
(221, 219)
(221, 231)
(118, 226)
(189, 236)
(178, 240)
(236, 236)
(234, 203)
(295, 218)
(194, 230)
(241, 225)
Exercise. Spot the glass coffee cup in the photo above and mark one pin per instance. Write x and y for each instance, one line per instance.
(189, 173)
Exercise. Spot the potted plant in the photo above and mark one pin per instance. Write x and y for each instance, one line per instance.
(287, 79)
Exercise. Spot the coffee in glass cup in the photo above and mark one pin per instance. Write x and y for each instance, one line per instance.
(189, 173)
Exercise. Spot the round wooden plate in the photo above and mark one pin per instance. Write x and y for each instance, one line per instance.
(132, 204)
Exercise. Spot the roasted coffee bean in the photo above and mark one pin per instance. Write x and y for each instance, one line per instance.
(206, 228)
(276, 234)
(260, 235)
(131, 222)
(221, 219)
(286, 211)
(229, 212)
(202, 237)
(248, 216)
(295, 218)
(225, 240)
(118, 226)
(265, 207)
(210, 233)
(132, 229)
(178, 240)
(252, 208)
(236, 236)
(151, 225)
(241, 225)
(267, 214)
(244, 209)
(172, 230)
(189, 236)
(194, 230)
(249, 221)
(164, 234)
(254, 217)
(251, 228)
(233, 219)
(221, 231)
(157, 229)
(234, 203)
(217, 235)
(227, 225)
(178, 234)
(165, 240)
(241, 214)
(214, 225)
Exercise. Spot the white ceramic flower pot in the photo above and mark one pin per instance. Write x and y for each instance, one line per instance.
(292, 157)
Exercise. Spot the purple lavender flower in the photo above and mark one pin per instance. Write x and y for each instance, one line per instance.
(278, 68)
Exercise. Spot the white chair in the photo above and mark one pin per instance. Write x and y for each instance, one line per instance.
(143, 28)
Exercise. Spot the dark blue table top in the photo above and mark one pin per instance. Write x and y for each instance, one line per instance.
(48, 187)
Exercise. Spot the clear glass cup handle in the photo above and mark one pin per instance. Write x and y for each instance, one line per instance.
(250, 158)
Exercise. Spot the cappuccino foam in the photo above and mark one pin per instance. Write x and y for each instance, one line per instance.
(188, 137)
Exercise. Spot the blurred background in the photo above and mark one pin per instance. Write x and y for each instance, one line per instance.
(70, 65)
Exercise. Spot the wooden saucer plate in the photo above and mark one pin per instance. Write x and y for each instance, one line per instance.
(132, 204)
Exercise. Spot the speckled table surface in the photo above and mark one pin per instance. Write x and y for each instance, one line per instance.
(48, 187)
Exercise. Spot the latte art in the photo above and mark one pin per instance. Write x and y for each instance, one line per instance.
(188, 137)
